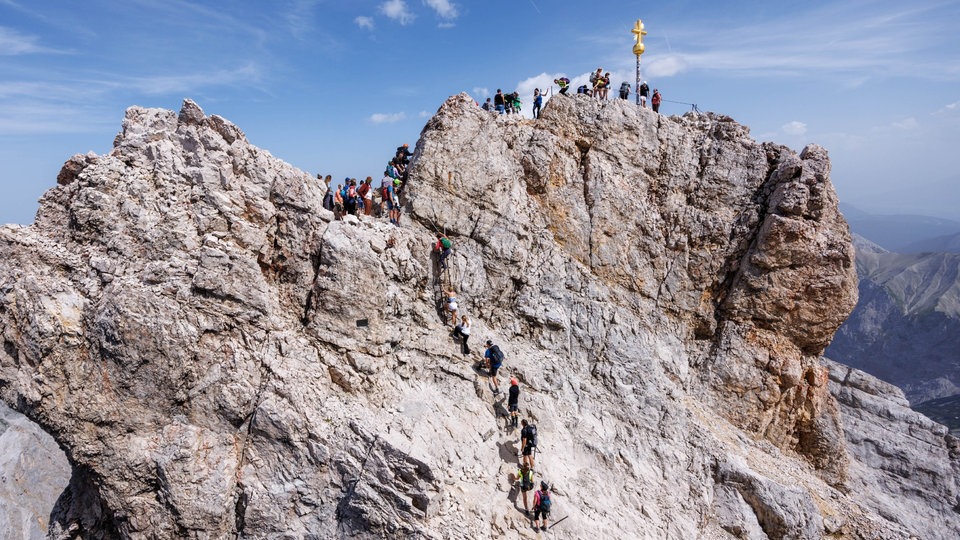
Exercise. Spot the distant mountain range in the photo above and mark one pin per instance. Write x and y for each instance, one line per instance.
(905, 233)
(906, 326)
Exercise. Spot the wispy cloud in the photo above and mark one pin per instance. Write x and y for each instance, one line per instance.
(13, 43)
(794, 128)
(444, 8)
(850, 39)
(364, 22)
(387, 118)
(481, 92)
(907, 124)
(190, 82)
(398, 11)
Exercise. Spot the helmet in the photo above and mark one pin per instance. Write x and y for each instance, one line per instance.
(396, 181)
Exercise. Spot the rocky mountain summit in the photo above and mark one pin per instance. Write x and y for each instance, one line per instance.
(219, 357)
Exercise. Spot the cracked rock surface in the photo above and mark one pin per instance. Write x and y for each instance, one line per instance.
(220, 358)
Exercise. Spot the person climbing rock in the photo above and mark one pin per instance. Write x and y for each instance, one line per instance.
(528, 442)
(494, 359)
(443, 248)
(541, 506)
(513, 404)
(462, 331)
(563, 83)
(525, 479)
(644, 92)
(452, 306)
(655, 100)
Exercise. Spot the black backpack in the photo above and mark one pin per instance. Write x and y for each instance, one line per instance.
(526, 482)
(496, 356)
(530, 434)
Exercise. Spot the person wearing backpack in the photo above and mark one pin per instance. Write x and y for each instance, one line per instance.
(624, 90)
(462, 330)
(644, 91)
(563, 83)
(541, 506)
(494, 358)
(443, 247)
(525, 479)
(528, 442)
(655, 100)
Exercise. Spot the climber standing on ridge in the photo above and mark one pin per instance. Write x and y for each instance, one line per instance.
(537, 102)
(563, 83)
(528, 442)
(499, 103)
(338, 202)
(366, 191)
(655, 100)
(644, 91)
(513, 405)
(494, 359)
(525, 478)
(541, 505)
(624, 90)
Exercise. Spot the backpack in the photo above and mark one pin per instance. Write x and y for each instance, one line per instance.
(526, 482)
(545, 502)
(445, 242)
(530, 434)
(496, 356)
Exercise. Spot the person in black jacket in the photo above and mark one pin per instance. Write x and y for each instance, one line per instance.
(513, 401)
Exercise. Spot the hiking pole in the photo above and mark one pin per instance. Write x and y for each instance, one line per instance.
(556, 522)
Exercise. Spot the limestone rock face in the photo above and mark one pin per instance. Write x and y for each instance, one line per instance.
(219, 357)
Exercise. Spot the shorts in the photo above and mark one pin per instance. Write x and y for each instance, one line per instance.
(389, 204)
(513, 408)
(528, 450)
(538, 512)
(494, 370)
(452, 306)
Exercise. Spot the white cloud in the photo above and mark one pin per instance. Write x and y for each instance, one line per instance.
(664, 66)
(481, 92)
(387, 118)
(443, 8)
(397, 10)
(950, 108)
(364, 22)
(13, 43)
(424, 114)
(907, 124)
(794, 128)
(446, 25)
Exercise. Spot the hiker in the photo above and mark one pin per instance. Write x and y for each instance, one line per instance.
(452, 307)
(541, 505)
(513, 103)
(487, 105)
(596, 76)
(513, 405)
(528, 442)
(603, 86)
(655, 100)
(395, 200)
(537, 102)
(494, 359)
(338, 202)
(525, 478)
(443, 248)
(462, 330)
(624, 90)
(366, 192)
(328, 199)
(644, 91)
(563, 83)
(498, 102)
(403, 154)
(384, 191)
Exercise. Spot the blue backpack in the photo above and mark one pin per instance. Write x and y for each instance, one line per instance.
(545, 502)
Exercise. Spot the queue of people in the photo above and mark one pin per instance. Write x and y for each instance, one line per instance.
(362, 199)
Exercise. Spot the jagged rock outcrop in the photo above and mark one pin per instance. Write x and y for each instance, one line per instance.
(219, 357)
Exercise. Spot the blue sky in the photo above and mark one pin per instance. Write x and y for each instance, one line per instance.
(335, 86)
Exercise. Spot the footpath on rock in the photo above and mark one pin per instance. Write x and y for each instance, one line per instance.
(219, 357)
